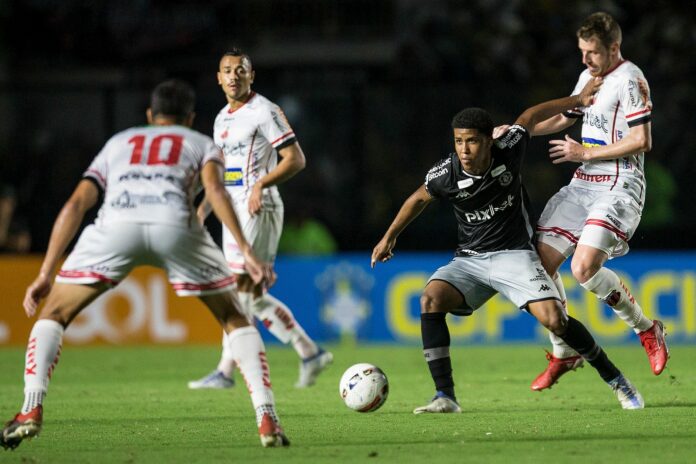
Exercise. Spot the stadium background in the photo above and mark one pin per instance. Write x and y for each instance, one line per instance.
(370, 88)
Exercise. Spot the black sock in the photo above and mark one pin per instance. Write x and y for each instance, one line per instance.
(436, 343)
(580, 339)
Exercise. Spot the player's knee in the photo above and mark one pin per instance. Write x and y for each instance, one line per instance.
(431, 303)
(583, 270)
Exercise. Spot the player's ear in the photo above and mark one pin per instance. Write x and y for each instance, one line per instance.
(253, 75)
(149, 115)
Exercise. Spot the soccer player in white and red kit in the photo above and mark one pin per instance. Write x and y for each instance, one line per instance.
(149, 177)
(253, 133)
(594, 216)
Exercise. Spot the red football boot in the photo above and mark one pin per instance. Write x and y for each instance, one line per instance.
(271, 433)
(653, 340)
(20, 427)
(556, 368)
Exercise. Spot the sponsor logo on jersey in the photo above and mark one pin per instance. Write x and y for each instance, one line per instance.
(596, 120)
(437, 171)
(233, 177)
(597, 178)
(462, 184)
(590, 142)
(513, 135)
(490, 211)
(498, 170)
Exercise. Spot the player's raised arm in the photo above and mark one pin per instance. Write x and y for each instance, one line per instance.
(411, 209)
(65, 227)
(220, 201)
(543, 111)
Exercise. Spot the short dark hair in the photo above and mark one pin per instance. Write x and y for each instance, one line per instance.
(235, 51)
(601, 25)
(474, 118)
(174, 98)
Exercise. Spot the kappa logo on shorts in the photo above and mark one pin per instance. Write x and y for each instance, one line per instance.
(544, 288)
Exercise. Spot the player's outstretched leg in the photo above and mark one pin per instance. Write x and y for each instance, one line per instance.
(250, 354)
(563, 359)
(609, 288)
(43, 352)
(436, 343)
(580, 339)
(281, 323)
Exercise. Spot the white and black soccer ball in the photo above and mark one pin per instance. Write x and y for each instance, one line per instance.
(363, 387)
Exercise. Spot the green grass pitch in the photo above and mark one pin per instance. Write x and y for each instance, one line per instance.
(131, 405)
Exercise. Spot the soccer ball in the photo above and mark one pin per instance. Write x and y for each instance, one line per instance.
(363, 387)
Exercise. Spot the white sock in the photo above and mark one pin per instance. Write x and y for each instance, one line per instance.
(560, 348)
(607, 286)
(43, 352)
(280, 321)
(250, 356)
(226, 365)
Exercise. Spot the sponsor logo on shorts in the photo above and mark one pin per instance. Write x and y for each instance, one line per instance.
(544, 288)
(234, 177)
(540, 275)
(613, 220)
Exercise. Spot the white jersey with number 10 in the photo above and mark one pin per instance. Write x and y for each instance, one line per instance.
(151, 174)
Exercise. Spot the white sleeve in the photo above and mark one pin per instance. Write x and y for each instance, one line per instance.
(635, 107)
(275, 127)
(98, 171)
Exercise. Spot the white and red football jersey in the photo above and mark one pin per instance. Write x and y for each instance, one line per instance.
(617, 107)
(249, 137)
(151, 174)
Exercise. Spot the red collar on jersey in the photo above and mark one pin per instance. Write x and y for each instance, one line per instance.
(614, 68)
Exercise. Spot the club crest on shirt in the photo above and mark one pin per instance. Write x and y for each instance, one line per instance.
(505, 178)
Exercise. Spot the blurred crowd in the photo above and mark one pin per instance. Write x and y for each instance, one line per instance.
(369, 87)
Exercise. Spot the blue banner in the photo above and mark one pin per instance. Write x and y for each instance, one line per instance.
(340, 296)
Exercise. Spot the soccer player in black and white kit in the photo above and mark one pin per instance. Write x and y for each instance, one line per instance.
(495, 254)
(148, 178)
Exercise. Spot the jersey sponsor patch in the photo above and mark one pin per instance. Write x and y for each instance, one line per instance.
(590, 142)
(233, 177)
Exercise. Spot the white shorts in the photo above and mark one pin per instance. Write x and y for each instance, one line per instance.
(261, 230)
(516, 274)
(599, 219)
(193, 261)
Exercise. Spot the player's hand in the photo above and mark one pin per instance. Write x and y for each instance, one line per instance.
(37, 291)
(568, 150)
(588, 92)
(645, 93)
(382, 251)
(255, 199)
(499, 131)
(260, 272)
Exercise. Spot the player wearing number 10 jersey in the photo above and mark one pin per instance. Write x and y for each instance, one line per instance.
(149, 177)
